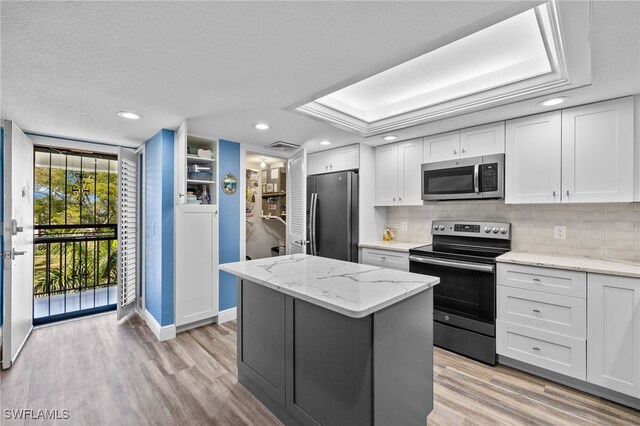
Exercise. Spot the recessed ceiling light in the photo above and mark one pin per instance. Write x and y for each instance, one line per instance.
(129, 115)
(554, 101)
(325, 142)
(390, 138)
(261, 126)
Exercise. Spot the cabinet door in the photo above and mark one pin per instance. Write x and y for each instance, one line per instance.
(409, 157)
(347, 158)
(196, 263)
(316, 163)
(180, 154)
(442, 147)
(597, 152)
(613, 333)
(482, 140)
(387, 175)
(532, 159)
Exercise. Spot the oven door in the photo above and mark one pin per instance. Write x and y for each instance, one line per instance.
(451, 180)
(465, 297)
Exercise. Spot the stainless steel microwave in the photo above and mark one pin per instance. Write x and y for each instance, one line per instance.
(464, 179)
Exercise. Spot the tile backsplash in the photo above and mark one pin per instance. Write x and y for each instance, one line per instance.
(602, 231)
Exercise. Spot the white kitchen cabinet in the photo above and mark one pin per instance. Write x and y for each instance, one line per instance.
(398, 174)
(334, 160)
(387, 175)
(613, 336)
(471, 142)
(445, 146)
(533, 159)
(577, 155)
(597, 152)
(482, 140)
(385, 258)
(196, 254)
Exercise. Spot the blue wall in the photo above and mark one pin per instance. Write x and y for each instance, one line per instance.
(159, 205)
(1, 213)
(229, 226)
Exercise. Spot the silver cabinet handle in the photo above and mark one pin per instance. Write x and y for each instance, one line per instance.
(462, 265)
(536, 310)
(455, 152)
(399, 198)
(536, 279)
(554, 193)
(331, 166)
(383, 257)
(15, 253)
(535, 348)
(394, 199)
(567, 192)
(326, 167)
(463, 150)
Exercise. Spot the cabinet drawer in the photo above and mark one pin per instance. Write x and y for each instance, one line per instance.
(386, 259)
(548, 280)
(549, 312)
(562, 354)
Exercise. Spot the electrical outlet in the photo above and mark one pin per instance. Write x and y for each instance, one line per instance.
(560, 232)
(405, 226)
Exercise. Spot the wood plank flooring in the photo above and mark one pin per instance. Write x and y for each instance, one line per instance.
(109, 373)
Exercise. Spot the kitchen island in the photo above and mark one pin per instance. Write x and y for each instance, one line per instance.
(322, 341)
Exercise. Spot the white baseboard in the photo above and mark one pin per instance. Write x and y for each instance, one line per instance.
(227, 315)
(161, 332)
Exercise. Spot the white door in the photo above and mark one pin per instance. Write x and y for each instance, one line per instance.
(409, 188)
(196, 263)
(442, 147)
(597, 152)
(482, 140)
(127, 231)
(18, 242)
(613, 333)
(180, 153)
(533, 159)
(296, 203)
(387, 175)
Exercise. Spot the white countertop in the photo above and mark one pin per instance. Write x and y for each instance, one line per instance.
(403, 246)
(583, 264)
(351, 289)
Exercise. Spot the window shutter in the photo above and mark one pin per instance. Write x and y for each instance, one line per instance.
(127, 231)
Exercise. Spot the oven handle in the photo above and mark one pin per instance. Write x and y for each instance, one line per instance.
(476, 184)
(461, 265)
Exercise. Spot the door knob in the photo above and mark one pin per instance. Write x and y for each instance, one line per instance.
(15, 253)
(15, 228)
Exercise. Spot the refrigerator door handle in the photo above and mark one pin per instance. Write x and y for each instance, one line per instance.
(314, 216)
(310, 224)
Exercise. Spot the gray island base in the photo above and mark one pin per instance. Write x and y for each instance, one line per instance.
(327, 342)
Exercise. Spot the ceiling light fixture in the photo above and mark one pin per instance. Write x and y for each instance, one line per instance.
(554, 101)
(129, 115)
(390, 138)
(261, 126)
(325, 142)
(262, 163)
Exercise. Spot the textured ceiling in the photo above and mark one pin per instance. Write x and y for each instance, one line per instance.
(68, 67)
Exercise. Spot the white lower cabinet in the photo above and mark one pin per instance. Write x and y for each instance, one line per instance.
(613, 349)
(196, 274)
(385, 258)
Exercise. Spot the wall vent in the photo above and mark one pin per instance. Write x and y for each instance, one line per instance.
(283, 146)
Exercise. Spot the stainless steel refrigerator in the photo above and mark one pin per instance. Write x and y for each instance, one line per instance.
(332, 218)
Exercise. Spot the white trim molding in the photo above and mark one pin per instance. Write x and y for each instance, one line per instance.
(161, 332)
(227, 315)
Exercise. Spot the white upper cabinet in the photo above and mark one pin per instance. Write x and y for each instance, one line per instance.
(387, 175)
(533, 159)
(334, 160)
(482, 140)
(398, 174)
(597, 152)
(613, 333)
(578, 155)
(472, 142)
(445, 146)
(409, 162)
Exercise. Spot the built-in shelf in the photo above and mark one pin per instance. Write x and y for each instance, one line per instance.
(200, 182)
(274, 218)
(194, 159)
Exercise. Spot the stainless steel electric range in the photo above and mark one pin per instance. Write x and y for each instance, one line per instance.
(463, 254)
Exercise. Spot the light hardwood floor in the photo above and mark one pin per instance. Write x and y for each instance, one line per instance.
(109, 373)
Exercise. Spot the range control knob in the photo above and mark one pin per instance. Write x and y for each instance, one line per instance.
(441, 227)
(495, 230)
(435, 227)
(503, 230)
(487, 229)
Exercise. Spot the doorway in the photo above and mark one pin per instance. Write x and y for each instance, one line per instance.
(75, 234)
(266, 210)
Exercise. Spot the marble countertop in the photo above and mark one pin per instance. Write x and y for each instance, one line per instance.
(351, 289)
(402, 246)
(583, 264)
